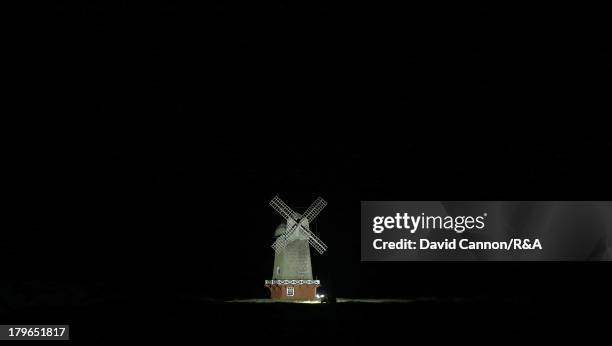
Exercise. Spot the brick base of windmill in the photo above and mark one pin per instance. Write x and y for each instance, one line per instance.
(293, 289)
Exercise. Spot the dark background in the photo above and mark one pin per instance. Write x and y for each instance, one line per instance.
(166, 129)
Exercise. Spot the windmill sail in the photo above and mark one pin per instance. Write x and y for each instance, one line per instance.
(298, 228)
(314, 209)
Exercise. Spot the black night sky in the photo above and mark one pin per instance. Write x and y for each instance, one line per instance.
(170, 127)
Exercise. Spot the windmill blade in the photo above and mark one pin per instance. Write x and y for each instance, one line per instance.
(314, 209)
(284, 239)
(282, 208)
(316, 243)
(281, 242)
(320, 247)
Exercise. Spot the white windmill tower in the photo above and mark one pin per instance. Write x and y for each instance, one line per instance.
(292, 276)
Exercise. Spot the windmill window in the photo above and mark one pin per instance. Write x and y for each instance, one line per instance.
(289, 291)
(278, 270)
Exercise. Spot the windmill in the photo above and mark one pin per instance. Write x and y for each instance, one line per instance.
(292, 276)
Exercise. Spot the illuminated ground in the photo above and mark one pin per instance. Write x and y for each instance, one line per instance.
(339, 300)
